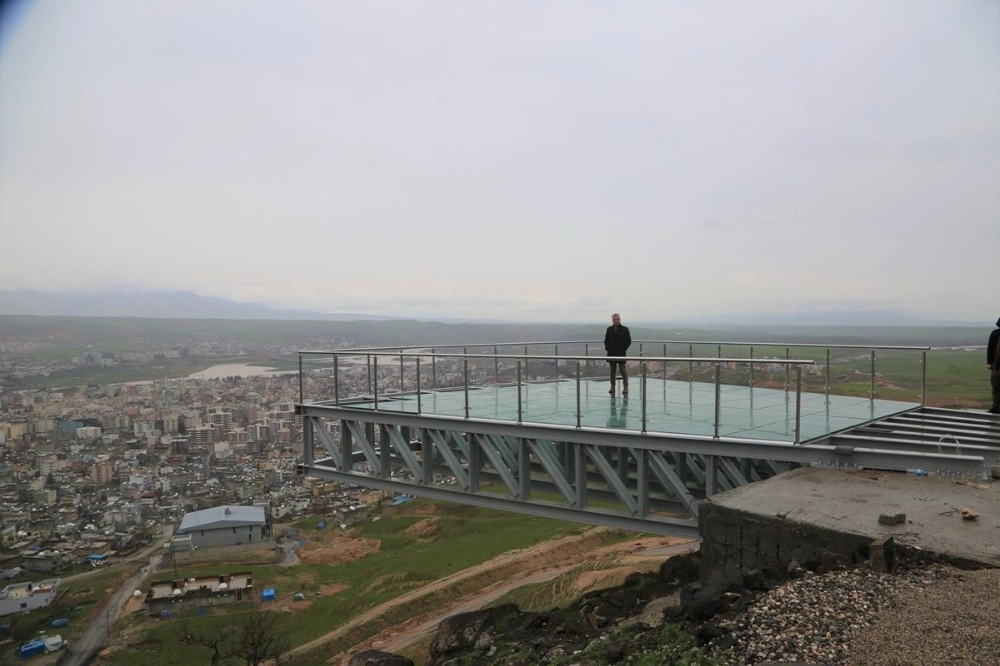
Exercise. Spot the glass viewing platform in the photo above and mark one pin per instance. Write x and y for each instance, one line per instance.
(745, 391)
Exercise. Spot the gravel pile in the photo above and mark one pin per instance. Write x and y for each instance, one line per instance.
(926, 615)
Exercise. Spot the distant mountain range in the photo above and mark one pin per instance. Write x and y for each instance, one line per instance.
(828, 318)
(154, 304)
(188, 305)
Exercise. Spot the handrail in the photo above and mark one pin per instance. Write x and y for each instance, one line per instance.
(532, 343)
(372, 364)
(411, 350)
(569, 357)
(464, 356)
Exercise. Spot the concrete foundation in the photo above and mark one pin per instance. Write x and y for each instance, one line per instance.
(827, 516)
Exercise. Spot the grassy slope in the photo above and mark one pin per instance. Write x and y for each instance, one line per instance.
(463, 536)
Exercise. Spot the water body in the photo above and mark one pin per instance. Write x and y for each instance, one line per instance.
(224, 370)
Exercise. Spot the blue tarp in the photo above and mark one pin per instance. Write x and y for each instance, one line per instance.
(268, 594)
(32, 648)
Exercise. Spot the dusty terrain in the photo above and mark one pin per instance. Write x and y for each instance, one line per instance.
(499, 576)
(476, 586)
(463, 591)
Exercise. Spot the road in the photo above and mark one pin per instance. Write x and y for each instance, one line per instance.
(86, 646)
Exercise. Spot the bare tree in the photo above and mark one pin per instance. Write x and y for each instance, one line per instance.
(253, 637)
(213, 635)
(261, 639)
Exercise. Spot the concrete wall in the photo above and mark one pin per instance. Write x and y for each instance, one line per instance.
(262, 551)
(735, 542)
(227, 536)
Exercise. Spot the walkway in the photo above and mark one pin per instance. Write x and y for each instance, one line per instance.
(666, 406)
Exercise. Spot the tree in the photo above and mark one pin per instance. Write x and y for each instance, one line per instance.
(261, 639)
(252, 637)
(214, 636)
(21, 628)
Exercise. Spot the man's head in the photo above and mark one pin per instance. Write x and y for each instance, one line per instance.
(616, 319)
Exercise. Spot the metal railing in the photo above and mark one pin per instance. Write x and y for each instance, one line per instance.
(374, 369)
(493, 350)
(518, 365)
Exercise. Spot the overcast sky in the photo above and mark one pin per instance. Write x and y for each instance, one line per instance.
(533, 160)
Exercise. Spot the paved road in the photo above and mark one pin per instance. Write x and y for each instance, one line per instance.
(84, 648)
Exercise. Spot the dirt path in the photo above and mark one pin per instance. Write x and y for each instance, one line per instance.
(492, 580)
(415, 631)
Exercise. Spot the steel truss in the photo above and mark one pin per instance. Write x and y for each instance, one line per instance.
(646, 482)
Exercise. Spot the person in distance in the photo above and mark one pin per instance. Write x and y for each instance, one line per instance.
(617, 340)
(993, 363)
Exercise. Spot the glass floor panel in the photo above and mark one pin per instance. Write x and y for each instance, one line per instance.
(676, 407)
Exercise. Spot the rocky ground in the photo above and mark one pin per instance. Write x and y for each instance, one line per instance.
(922, 613)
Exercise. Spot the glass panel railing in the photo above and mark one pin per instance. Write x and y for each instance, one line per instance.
(788, 392)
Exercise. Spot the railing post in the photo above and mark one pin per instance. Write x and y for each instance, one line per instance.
(871, 394)
(525, 360)
(465, 373)
(798, 403)
(828, 372)
(301, 391)
(787, 369)
(375, 391)
(664, 362)
(578, 417)
(520, 414)
(690, 363)
(369, 357)
(420, 409)
(718, 397)
(751, 366)
(496, 367)
(336, 380)
(643, 388)
(434, 374)
(402, 380)
(923, 379)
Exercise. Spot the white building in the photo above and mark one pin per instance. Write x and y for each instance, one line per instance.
(24, 597)
(225, 526)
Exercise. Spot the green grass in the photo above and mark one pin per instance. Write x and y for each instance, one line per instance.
(79, 599)
(463, 537)
(954, 377)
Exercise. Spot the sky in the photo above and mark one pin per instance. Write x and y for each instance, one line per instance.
(548, 161)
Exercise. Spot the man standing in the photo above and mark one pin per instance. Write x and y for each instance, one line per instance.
(993, 363)
(617, 340)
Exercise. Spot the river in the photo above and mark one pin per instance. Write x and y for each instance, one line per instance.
(224, 370)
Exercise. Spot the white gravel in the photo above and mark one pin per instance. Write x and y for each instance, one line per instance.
(927, 616)
(954, 619)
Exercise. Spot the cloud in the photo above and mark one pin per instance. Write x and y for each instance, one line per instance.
(544, 161)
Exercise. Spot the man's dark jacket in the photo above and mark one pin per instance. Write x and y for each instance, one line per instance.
(617, 340)
(992, 359)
